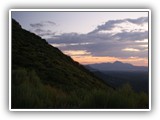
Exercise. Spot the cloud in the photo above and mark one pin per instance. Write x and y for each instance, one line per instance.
(132, 36)
(142, 41)
(42, 24)
(77, 52)
(144, 45)
(139, 21)
(50, 22)
(99, 45)
(130, 50)
(115, 38)
(44, 28)
(36, 25)
(39, 30)
(111, 24)
(107, 26)
(43, 33)
(70, 44)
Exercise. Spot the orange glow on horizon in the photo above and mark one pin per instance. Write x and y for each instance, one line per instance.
(92, 60)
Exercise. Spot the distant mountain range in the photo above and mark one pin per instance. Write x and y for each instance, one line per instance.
(116, 66)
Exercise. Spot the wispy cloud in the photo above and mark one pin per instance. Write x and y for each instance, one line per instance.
(43, 28)
(144, 45)
(130, 50)
(77, 52)
(36, 25)
(42, 24)
(142, 41)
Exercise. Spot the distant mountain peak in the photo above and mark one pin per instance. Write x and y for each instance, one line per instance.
(118, 62)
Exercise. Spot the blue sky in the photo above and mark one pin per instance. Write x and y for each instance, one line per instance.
(80, 22)
(92, 37)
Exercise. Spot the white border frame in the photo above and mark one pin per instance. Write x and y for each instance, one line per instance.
(85, 10)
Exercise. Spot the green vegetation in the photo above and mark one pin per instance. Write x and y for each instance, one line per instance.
(29, 92)
(43, 77)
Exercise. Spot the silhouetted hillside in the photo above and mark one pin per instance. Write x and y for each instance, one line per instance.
(51, 65)
(43, 77)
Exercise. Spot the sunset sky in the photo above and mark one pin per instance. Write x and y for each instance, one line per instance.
(92, 37)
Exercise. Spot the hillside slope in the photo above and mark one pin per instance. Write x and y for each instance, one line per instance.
(51, 65)
(43, 77)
